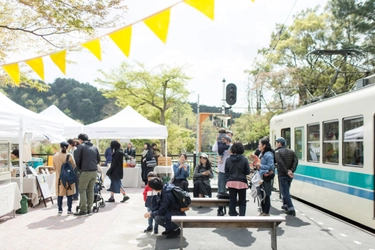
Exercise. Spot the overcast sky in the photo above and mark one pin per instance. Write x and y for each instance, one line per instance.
(210, 50)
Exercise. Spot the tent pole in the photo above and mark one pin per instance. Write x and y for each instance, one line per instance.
(20, 151)
(166, 146)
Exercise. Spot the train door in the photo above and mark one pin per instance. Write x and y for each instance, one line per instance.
(373, 167)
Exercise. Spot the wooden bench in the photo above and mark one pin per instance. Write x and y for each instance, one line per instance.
(230, 222)
(210, 202)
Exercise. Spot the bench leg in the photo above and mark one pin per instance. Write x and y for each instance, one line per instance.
(273, 237)
(181, 234)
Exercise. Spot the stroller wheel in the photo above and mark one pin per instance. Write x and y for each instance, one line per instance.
(95, 209)
(77, 208)
(102, 204)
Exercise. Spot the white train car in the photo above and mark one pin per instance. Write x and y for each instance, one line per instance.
(334, 141)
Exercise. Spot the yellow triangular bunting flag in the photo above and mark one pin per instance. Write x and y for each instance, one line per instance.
(37, 65)
(59, 59)
(122, 39)
(207, 7)
(94, 47)
(159, 24)
(14, 72)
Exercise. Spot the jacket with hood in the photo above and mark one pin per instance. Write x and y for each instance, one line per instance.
(236, 168)
(87, 157)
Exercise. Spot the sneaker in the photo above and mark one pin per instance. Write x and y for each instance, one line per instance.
(291, 212)
(220, 213)
(110, 200)
(89, 213)
(70, 213)
(80, 213)
(125, 198)
(59, 212)
(148, 229)
(174, 233)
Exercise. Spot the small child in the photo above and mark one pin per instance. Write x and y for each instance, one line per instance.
(150, 198)
(222, 144)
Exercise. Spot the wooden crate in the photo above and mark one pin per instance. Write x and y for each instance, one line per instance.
(165, 161)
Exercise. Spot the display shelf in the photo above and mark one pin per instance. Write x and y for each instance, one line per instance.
(4, 162)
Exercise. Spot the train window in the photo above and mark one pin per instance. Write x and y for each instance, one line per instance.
(331, 142)
(299, 144)
(285, 133)
(313, 142)
(353, 141)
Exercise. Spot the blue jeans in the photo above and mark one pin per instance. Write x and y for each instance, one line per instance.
(221, 183)
(150, 220)
(285, 182)
(60, 200)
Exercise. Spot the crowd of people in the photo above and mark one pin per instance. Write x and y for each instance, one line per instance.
(232, 166)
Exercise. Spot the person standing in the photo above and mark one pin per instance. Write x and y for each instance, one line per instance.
(87, 158)
(151, 203)
(116, 172)
(108, 156)
(71, 148)
(58, 160)
(266, 165)
(236, 169)
(287, 162)
(221, 183)
(155, 152)
(181, 172)
(147, 155)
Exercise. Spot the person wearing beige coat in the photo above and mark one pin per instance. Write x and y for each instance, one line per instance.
(58, 160)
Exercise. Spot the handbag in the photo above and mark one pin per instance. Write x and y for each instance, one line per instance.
(151, 163)
(107, 182)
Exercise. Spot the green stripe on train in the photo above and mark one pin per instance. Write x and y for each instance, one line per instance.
(360, 180)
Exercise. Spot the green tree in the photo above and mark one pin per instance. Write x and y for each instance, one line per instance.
(152, 92)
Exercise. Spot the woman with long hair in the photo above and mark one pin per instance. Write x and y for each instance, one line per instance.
(116, 172)
(201, 178)
(181, 172)
(266, 165)
(58, 160)
(147, 155)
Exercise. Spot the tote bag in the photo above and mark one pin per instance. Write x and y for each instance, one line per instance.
(151, 163)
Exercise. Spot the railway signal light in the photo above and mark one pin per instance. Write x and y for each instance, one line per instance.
(231, 94)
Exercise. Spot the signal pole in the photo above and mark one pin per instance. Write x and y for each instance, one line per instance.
(223, 100)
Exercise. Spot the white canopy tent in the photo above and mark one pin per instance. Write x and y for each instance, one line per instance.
(16, 120)
(128, 124)
(71, 127)
(353, 134)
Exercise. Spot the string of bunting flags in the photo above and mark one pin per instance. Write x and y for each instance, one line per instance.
(158, 23)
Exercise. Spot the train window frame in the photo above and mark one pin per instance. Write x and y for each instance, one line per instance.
(355, 158)
(331, 142)
(299, 146)
(284, 134)
(313, 151)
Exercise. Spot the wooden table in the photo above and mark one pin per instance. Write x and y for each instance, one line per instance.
(132, 176)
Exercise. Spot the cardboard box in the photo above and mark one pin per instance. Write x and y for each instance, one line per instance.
(165, 161)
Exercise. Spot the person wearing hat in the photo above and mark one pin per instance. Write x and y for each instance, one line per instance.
(201, 178)
(58, 160)
(287, 162)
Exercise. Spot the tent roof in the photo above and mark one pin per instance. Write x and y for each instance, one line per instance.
(127, 123)
(71, 127)
(14, 117)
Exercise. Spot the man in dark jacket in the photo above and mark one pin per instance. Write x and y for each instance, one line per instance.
(287, 162)
(87, 159)
(167, 207)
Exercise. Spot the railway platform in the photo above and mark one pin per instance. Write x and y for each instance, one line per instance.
(121, 225)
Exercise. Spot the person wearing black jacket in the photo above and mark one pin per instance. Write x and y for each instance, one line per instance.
(116, 172)
(287, 162)
(147, 155)
(87, 158)
(236, 169)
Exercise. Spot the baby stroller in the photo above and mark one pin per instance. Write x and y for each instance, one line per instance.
(98, 198)
(256, 189)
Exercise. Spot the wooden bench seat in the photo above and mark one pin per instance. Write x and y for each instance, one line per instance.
(230, 222)
(210, 202)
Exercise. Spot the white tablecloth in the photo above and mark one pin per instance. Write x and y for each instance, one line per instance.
(30, 186)
(132, 176)
(165, 170)
(10, 197)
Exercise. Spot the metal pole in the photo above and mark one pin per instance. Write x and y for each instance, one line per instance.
(223, 100)
(198, 128)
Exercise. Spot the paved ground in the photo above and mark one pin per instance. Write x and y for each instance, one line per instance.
(120, 226)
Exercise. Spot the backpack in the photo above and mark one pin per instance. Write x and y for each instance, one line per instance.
(182, 197)
(67, 175)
